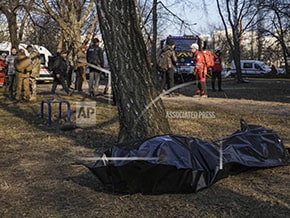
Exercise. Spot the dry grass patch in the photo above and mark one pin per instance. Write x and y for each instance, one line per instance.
(39, 177)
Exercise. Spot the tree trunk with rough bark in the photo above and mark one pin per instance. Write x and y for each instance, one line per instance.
(140, 114)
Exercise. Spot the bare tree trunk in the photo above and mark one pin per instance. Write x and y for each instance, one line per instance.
(259, 30)
(133, 86)
(12, 26)
(154, 40)
(234, 40)
(11, 16)
(237, 59)
(282, 39)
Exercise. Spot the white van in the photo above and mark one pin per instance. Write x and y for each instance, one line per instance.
(45, 75)
(251, 68)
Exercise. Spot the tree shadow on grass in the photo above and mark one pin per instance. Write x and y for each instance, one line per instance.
(30, 112)
(215, 201)
(255, 89)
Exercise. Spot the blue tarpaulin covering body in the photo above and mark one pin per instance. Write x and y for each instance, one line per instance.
(181, 164)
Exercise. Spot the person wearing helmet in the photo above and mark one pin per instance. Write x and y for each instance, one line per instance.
(200, 70)
(217, 70)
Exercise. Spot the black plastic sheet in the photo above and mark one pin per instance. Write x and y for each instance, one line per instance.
(181, 164)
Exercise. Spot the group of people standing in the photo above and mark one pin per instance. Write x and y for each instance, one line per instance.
(23, 68)
(93, 57)
(22, 71)
(200, 69)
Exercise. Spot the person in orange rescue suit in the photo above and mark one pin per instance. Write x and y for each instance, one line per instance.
(3, 68)
(217, 70)
(200, 70)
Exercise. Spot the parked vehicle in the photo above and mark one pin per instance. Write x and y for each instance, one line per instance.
(281, 70)
(225, 72)
(45, 75)
(251, 68)
(5, 47)
(184, 66)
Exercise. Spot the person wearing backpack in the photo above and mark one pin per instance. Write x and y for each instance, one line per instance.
(166, 66)
(200, 70)
(217, 70)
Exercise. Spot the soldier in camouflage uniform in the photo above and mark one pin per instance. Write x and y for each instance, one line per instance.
(23, 66)
(35, 57)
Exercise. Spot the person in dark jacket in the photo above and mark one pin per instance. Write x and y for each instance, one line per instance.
(217, 70)
(95, 56)
(59, 72)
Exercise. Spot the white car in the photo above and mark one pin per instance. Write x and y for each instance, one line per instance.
(281, 70)
(226, 73)
(251, 68)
